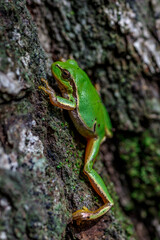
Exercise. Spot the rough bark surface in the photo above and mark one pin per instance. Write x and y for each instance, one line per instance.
(41, 153)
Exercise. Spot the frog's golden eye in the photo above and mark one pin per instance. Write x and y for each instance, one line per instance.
(65, 74)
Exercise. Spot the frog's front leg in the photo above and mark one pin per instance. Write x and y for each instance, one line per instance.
(56, 100)
(96, 182)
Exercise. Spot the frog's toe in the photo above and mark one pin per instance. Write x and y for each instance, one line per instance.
(85, 208)
(44, 89)
(46, 83)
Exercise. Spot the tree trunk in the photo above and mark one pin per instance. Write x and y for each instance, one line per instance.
(41, 154)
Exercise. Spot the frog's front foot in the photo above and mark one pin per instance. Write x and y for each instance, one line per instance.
(46, 89)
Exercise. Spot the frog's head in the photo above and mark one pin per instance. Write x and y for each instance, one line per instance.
(64, 73)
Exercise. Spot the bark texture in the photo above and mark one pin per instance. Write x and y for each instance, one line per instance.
(41, 154)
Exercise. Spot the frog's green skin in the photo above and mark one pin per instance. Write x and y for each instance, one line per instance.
(90, 118)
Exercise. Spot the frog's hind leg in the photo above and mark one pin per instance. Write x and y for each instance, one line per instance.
(96, 182)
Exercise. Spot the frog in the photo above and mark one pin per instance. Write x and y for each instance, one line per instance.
(91, 120)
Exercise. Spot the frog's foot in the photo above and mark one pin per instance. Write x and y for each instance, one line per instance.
(46, 89)
(80, 215)
(84, 214)
(46, 82)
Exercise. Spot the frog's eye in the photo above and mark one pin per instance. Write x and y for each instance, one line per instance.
(65, 74)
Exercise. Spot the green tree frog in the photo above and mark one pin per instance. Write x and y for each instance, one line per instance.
(91, 120)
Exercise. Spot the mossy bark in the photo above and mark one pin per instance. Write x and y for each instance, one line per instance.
(41, 153)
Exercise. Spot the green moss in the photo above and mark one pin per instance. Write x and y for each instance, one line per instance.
(141, 162)
(60, 165)
(23, 106)
(72, 13)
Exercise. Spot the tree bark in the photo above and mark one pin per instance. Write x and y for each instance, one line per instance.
(41, 154)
